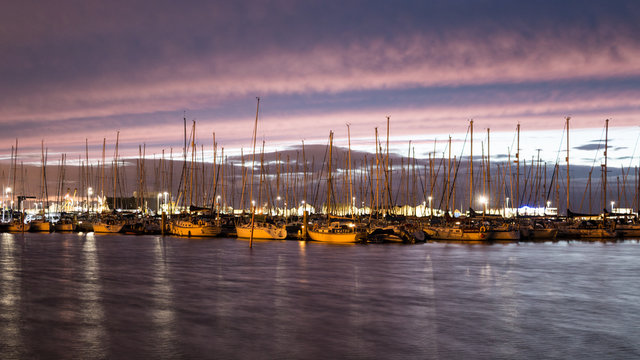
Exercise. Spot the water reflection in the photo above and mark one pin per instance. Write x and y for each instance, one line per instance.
(152, 297)
(10, 297)
(91, 311)
(162, 312)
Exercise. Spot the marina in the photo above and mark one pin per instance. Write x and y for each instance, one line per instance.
(320, 180)
(113, 296)
(197, 196)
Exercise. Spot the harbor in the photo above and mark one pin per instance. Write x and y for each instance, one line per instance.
(251, 196)
(113, 296)
(320, 180)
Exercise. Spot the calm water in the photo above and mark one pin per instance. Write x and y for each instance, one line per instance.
(110, 296)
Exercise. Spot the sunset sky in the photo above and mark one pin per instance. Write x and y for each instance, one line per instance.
(76, 70)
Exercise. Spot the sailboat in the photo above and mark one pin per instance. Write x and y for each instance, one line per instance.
(108, 224)
(17, 225)
(113, 223)
(66, 223)
(40, 223)
(260, 229)
(195, 227)
(336, 230)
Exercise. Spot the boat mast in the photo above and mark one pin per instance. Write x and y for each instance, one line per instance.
(448, 178)
(488, 169)
(387, 172)
(351, 201)
(104, 143)
(115, 171)
(253, 164)
(568, 177)
(304, 189)
(604, 175)
(471, 168)
(517, 199)
(329, 176)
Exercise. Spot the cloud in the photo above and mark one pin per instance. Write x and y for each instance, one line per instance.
(317, 66)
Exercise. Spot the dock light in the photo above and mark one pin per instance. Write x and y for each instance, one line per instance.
(278, 198)
(7, 190)
(483, 200)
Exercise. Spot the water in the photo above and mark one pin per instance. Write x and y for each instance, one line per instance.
(147, 297)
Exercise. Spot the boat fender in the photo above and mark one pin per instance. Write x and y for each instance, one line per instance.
(483, 229)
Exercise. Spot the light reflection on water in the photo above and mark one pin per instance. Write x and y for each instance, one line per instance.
(93, 332)
(10, 299)
(110, 296)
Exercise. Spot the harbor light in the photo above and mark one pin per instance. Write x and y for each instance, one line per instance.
(483, 201)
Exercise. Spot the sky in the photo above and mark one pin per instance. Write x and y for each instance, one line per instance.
(75, 70)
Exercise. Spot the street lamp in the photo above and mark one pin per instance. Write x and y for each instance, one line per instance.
(483, 201)
(278, 207)
(89, 193)
(7, 191)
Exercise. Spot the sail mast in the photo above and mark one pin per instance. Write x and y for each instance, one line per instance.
(329, 175)
(516, 201)
(568, 177)
(253, 164)
(471, 168)
(604, 175)
(488, 196)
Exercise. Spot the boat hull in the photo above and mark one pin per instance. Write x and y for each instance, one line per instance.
(536, 234)
(182, 228)
(107, 228)
(65, 227)
(333, 237)
(504, 235)
(40, 226)
(628, 231)
(18, 227)
(457, 234)
(262, 232)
